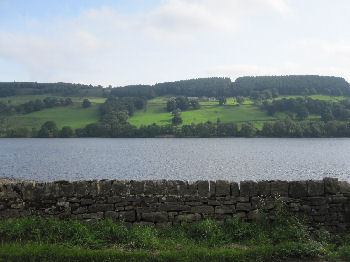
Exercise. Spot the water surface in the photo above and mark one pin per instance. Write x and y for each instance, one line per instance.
(233, 159)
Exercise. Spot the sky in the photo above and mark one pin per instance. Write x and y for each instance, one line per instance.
(122, 42)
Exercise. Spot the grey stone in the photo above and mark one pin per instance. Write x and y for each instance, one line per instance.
(112, 215)
(222, 188)
(155, 217)
(203, 188)
(191, 189)
(86, 201)
(234, 189)
(331, 185)
(104, 187)
(94, 208)
(264, 188)
(225, 209)
(137, 187)
(243, 206)
(344, 187)
(202, 209)
(127, 216)
(248, 188)
(119, 187)
(279, 188)
(188, 218)
(98, 215)
(155, 187)
(298, 189)
(315, 187)
(174, 207)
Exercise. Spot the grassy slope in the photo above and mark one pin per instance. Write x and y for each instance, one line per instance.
(77, 117)
(210, 111)
(72, 116)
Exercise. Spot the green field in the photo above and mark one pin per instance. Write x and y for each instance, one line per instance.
(74, 116)
(156, 113)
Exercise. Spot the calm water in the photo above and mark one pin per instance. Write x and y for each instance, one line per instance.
(186, 159)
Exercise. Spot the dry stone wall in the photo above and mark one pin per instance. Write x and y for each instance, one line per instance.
(325, 202)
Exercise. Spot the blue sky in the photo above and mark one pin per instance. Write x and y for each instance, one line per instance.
(147, 41)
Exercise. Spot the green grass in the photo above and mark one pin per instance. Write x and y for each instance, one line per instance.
(156, 113)
(40, 239)
(74, 116)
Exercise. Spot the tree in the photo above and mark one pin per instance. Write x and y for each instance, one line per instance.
(66, 132)
(48, 129)
(222, 100)
(86, 103)
(239, 99)
(177, 120)
(248, 130)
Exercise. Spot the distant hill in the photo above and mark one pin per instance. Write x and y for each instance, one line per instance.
(255, 87)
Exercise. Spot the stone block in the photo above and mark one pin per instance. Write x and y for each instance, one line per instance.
(120, 187)
(98, 215)
(248, 188)
(234, 189)
(222, 188)
(80, 188)
(94, 208)
(315, 188)
(203, 209)
(331, 185)
(225, 209)
(243, 206)
(188, 218)
(298, 189)
(155, 187)
(127, 216)
(279, 188)
(173, 206)
(155, 217)
(317, 201)
(264, 188)
(104, 187)
(203, 188)
(80, 210)
(344, 187)
(137, 187)
(176, 187)
(191, 189)
(86, 201)
(112, 215)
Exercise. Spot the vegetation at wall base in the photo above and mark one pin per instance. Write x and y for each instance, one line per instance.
(47, 239)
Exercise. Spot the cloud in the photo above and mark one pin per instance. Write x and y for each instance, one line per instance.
(324, 48)
(183, 19)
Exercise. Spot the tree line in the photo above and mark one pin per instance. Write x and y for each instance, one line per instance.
(257, 88)
(63, 89)
(280, 128)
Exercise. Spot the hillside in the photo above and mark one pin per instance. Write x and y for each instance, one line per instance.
(248, 100)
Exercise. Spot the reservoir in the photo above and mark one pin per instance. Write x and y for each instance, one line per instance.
(233, 159)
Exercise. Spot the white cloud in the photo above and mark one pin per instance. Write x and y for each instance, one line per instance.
(324, 48)
(183, 19)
